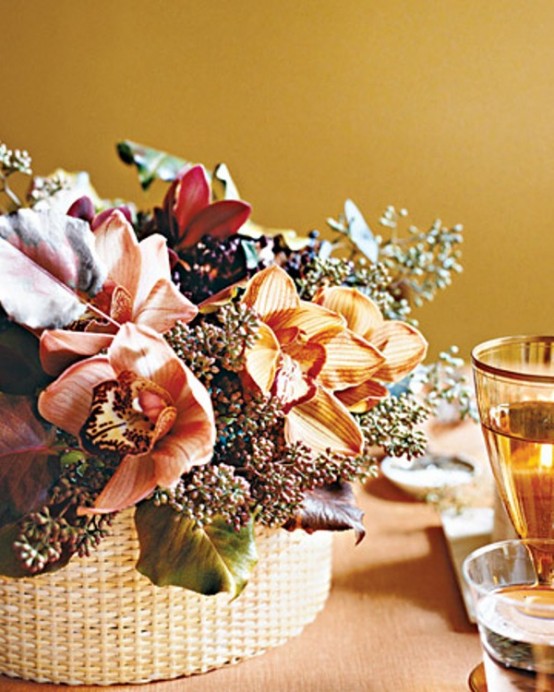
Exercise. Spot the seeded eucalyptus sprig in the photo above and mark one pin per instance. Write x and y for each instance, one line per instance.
(254, 471)
(392, 425)
(209, 491)
(211, 345)
(47, 538)
(56, 531)
(13, 161)
(419, 262)
(281, 475)
(422, 262)
(45, 187)
(445, 381)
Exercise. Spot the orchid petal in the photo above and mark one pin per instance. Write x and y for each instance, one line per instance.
(270, 291)
(164, 306)
(143, 351)
(192, 435)
(350, 361)
(193, 194)
(154, 265)
(312, 320)
(262, 357)
(178, 453)
(66, 402)
(195, 399)
(133, 480)
(288, 334)
(165, 420)
(117, 246)
(324, 423)
(362, 315)
(310, 356)
(60, 348)
(291, 387)
(403, 347)
(153, 405)
(121, 309)
(99, 219)
(219, 220)
(363, 397)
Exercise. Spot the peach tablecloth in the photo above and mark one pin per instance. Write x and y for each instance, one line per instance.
(394, 621)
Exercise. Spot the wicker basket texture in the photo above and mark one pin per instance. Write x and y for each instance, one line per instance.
(99, 621)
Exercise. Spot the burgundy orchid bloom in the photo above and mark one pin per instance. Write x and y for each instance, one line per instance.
(192, 214)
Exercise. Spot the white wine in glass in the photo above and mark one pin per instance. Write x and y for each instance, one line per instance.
(514, 379)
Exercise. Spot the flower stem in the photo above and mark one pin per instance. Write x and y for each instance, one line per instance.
(4, 187)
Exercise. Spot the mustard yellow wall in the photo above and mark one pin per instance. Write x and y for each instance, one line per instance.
(445, 107)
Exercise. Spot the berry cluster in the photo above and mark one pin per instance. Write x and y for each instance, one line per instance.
(57, 532)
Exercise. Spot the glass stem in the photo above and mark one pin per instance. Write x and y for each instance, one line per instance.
(543, 559)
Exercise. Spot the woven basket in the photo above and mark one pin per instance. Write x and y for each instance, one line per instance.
(98, 621)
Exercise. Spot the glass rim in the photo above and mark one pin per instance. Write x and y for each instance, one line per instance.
(485, 346)
(507, 542)
(499, 546)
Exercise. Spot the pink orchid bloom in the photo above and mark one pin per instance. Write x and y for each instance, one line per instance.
(304, 352)
(401, 345)
(140, 402)
(192, 214)
(139, 289)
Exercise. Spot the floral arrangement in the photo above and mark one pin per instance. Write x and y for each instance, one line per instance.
(209, 373)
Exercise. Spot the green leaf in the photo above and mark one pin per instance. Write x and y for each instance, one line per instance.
(209, 560)
(21, 371)
(27, 465)
(251, 254)
(223, 185)
(332, 508)
(151, 164)
(359, 232)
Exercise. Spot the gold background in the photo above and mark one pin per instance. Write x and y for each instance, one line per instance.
(445, 107)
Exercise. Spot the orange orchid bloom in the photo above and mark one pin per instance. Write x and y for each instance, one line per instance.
(139, 289)
(140, 402)
(401, 345)
(304, 352)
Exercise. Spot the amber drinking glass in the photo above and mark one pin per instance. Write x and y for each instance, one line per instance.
(514, 380)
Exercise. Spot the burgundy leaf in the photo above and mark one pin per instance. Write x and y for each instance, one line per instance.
(21, 371)
(27, 470)
(332, 508)
(46, 258)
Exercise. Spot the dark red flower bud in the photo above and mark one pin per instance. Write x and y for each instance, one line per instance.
(82, 208)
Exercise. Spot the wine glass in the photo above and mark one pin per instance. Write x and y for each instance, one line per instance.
(514, 380)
